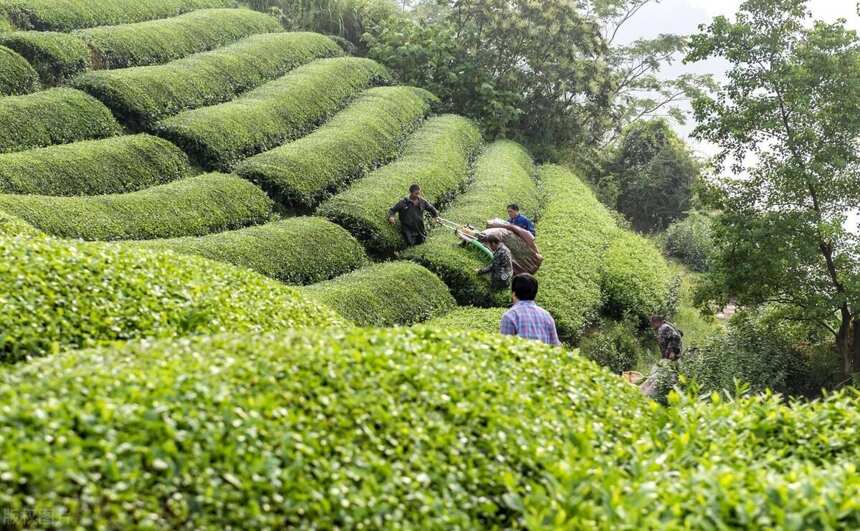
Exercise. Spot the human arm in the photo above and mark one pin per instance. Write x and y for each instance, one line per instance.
(507, 327)
(393, 211)
(431, 209)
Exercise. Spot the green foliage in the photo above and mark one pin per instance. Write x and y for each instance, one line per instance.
(635, 278)
(503, 175)
(55, 116)
(142, 95)
(369, 132)
(387, 294)
(690, 240)
(59, 294)
(12, 226)
(360, 429)
(57, 57)
(67, 15)
(272, 114)
(573, 234)
(161, 41)
(16, 74)
(648, 175)
(300, 250)
(91, 167)
(468, 318)
(534, 73)
(613, 346)
(782, 233)
(189, 207)
(438, 157)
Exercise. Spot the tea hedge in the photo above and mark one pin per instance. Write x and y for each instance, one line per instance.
(57, 57)
(16, 75)
(220, 136)
(573, 235)
(299, 250)
(503, 175)
(142, 95)
(369, 132)
(67, 15)
(91, 167)
(54, 116)
(161, 41)
(61, 294)
(387, 294)
(635, 277)
(438, 156)
(12, 226)
(189, 207)
(379, 429)
(469, 318)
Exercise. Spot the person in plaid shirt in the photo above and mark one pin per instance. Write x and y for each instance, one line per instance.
(525, 318)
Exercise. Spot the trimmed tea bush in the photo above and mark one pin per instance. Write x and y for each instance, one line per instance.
(12, 226)
(437, 156)
(282, 110)
(16, 74)
(142, 95)
(111, 165)
(635, 277)
(613, 346)
(503, 175)
(57, 57)
(55, 116)
(194, 206)
(160, 41)
(67, 15)
(388, 294)
(470, 319)
(60, 294)
(300, 250)
(369, 132)
(378, 429)
(572, 235)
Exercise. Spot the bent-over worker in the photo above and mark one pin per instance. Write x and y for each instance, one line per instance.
(525, 318)
(668, 338)
(411, 210)
(501, 269)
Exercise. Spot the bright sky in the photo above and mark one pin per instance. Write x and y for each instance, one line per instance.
(684, 17)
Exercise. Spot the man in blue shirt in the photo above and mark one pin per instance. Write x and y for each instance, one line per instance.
(515, 218)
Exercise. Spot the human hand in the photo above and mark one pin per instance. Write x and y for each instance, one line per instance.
(392, 220)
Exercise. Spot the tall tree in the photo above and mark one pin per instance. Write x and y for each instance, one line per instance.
(787, 121)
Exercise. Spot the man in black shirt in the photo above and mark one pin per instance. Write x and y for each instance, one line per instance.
(411, 211)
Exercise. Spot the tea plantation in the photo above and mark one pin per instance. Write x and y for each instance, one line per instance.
(206, 320)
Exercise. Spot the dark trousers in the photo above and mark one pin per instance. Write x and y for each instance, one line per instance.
(413, 236)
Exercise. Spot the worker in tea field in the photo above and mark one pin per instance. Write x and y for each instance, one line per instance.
(515, 218)
(668, 338)
(501, 269)
(411, 211)
(525, 318)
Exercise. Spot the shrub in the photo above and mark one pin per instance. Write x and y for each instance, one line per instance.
(12, 226)
(613, 346)
(16, 75)
(388, 294)
(59, 294)
(160, 41)
(57, 57)
(53, 15)
(572, 235)
(189, 207)
(438, 156)
(690, 241)
(469, 318)
(392, 429)
(55, 116)
(300, 250)
(369, 132)
(636, 280)
(279, 111)
(111, 165)
(503, 175)
(142, 95)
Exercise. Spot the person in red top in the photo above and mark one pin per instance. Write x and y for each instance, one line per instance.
(525, 318)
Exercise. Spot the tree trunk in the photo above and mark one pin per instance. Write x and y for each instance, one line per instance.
(855, 347)
(844, 340)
